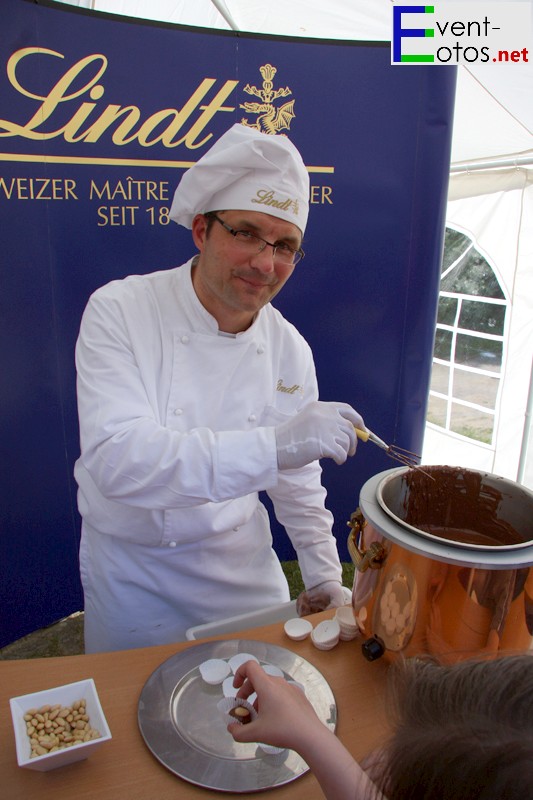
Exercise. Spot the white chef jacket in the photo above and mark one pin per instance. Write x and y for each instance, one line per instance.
(177, 439)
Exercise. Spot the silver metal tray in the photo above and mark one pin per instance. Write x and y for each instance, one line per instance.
(181, 725)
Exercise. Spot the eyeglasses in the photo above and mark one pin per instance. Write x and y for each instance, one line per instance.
(253, 245)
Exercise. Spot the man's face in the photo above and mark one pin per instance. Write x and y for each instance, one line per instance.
(231, 284)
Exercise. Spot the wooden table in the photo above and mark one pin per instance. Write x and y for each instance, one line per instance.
(124, 768)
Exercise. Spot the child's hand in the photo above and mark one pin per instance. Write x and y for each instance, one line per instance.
(287, 719)
(285, 716)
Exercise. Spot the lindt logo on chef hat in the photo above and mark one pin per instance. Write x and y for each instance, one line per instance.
(267, 198)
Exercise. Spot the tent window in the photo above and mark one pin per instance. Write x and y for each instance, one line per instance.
(475, 351)
(465, 270)
(447, 310)
(468, 352)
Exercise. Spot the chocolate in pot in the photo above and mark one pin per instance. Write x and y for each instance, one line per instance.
(457, 506)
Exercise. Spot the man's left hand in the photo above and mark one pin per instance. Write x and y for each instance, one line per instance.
(329, 594)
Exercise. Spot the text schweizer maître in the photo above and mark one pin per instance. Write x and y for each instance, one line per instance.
(23, 188)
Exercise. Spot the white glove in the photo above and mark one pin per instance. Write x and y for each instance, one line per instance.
(320, 430)
(329, 594)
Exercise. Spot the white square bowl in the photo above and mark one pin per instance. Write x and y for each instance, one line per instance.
(65, 695)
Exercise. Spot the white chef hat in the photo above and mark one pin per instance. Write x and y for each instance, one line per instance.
(245, 170)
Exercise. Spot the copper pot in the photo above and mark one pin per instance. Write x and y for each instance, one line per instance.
(443, 564)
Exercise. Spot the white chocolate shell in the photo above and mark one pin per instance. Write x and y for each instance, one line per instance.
(228, 689)
(346, 619)
(214, 670)
(240, 658)
(297, 628)
(326, 634)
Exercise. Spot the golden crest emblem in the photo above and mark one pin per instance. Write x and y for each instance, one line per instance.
(270, 119)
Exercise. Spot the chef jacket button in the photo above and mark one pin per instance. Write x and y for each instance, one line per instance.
(184, 340)
(178, 412)
(252, 418)
(236, 528)
(172, 544)
(260, 350)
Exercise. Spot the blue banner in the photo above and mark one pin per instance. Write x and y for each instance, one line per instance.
(99, 116)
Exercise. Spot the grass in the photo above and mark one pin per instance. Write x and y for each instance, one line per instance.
(296, 584)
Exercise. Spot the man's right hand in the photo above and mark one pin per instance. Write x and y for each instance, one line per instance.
(320, 430)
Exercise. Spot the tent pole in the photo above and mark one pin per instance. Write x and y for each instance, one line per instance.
(221, 7)
(464, 166)
(526, 435)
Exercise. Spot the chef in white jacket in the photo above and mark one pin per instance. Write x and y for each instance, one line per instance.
(194, 394)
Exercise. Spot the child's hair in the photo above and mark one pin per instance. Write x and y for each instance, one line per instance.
(464, 732)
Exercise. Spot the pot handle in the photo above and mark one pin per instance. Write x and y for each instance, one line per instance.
(372, 557)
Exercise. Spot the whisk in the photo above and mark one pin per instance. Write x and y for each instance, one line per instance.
(405, 457)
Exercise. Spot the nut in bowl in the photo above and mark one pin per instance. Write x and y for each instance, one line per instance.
(45, 725)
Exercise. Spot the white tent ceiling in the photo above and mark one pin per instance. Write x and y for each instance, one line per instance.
(494, 109)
